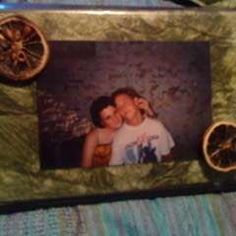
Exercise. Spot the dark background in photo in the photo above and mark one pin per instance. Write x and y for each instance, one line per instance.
(173, 76)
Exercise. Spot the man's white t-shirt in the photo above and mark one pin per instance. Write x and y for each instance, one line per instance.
(146, 142)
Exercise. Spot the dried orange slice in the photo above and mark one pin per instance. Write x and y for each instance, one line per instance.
(24, 51)
(219, 146)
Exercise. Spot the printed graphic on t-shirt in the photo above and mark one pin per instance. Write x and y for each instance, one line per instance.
(142, 150)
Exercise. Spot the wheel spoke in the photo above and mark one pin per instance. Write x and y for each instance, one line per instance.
(23, 48)
(32, 43)
(30, 36)
(32, 54)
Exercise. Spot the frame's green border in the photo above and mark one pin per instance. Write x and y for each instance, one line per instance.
(20, 177)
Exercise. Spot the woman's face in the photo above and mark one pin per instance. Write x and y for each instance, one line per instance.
(111, 118)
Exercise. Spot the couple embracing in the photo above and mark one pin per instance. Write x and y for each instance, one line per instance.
(126, 132)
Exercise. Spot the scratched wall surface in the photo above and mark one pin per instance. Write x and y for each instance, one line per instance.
(174, 77)
(20, 175)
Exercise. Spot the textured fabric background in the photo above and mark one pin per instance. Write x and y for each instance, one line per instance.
(193, 215)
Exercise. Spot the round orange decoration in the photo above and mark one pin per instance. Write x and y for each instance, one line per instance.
(219, 146)
(24, 51)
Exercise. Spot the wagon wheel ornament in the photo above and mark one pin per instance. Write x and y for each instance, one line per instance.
(24, 51)
(219, 146)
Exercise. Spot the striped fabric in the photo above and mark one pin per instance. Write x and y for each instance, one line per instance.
(133, 3)
(211, 214)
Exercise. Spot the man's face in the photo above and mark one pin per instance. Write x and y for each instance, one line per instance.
(126, 107)
(111, 118)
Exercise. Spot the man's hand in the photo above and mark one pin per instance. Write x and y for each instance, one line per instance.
(144, 105)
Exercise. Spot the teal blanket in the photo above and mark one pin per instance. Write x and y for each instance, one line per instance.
(212, 214)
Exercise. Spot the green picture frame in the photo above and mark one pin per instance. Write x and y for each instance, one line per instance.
(25, 186)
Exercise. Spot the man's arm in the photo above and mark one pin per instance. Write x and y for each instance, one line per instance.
(167, 145)
(170, 156)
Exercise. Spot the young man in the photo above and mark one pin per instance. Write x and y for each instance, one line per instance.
(141, 139)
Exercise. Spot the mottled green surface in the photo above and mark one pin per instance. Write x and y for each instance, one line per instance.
(20, 176)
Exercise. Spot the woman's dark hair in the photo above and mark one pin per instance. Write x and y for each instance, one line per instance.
(97, 106)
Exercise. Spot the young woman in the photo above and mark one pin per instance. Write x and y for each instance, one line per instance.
(97, 146)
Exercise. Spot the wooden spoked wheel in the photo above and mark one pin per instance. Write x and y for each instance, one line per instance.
(219, 146)
(24, 51)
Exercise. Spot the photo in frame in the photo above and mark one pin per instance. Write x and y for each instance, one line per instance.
(192, 57)
(175, 77)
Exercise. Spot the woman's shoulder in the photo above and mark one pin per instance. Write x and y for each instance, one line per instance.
(92, 135)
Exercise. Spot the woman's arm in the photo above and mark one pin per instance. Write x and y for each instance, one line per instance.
(90, 144)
